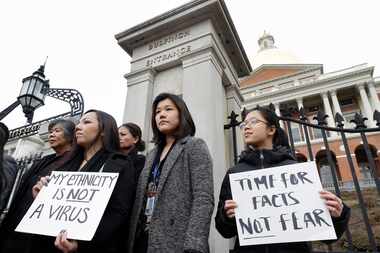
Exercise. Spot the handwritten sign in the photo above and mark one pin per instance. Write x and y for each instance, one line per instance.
(74, 201)
(280, 204)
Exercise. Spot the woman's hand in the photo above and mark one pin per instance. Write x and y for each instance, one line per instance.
(65, 245)
(41, 183)
(333, 203)
(229, 208)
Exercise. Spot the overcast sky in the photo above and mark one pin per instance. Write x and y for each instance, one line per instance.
(78, 37)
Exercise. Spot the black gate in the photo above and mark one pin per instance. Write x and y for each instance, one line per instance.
(363, 234)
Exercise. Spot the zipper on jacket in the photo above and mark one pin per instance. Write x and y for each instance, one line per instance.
(262, 159)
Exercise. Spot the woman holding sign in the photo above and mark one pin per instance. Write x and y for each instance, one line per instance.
(267, 146)
(174, 197)
(98, 151)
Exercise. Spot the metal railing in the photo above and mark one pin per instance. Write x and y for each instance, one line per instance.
(23, 164)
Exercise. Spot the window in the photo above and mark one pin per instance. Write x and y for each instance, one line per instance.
(314, 108)
(346, 102)
(325, 174)
(365, 171)
(296, 132)
(317, 133)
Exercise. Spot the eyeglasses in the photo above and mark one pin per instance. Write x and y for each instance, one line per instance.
(251, 122)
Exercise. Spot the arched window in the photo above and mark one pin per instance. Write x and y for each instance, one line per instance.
(363, 162)
(325, 168)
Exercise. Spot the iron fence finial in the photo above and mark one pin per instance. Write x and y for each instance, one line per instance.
(376, 117)
(321, 118)
(359, 121)
(339, 120)
(302, 114)
(287, 111)
(243, 113)
(272, 107)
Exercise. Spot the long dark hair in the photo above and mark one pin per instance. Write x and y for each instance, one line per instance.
(109, 133)
(107, 126)
(280, 139)
(186, 123)
(135, 131)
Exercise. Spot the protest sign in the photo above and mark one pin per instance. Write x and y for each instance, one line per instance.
(74, 201)
(280, 204)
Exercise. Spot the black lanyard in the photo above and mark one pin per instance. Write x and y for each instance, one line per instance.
(157, 165)
(156, 172)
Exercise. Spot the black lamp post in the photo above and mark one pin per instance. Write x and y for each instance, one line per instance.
(32, 94)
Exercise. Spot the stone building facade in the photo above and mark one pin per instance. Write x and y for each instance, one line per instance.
(280, 79)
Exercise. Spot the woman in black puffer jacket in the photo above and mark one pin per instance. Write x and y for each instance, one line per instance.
(267, 146)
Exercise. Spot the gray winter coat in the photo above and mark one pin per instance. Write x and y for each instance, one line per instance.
(185, 200)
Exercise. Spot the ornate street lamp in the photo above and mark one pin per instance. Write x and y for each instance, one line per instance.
(32, 95)
(33, 92)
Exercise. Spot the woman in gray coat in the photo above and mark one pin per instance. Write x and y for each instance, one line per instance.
(174, 196)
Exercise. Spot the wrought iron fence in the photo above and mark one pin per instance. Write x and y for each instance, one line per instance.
(23, 164)
(355, 186)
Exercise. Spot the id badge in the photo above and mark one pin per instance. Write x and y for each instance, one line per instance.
(150, 202)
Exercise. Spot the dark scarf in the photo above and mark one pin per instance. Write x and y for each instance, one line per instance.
(269, 158)
(93, 165)
(133, 152)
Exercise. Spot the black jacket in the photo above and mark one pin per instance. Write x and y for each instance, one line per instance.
(113, 228)
(138, 161)
(255, 160)
(10, 172)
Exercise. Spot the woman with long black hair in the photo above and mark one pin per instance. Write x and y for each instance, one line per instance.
(98, 150)
(267, 146)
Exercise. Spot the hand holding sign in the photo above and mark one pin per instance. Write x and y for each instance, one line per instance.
(64, 244)
(38, 186)
(333, 203)
(229, 208)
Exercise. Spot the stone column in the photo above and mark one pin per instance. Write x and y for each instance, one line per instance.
(205, 97)
(335, 102)
(374, 96)
(299, 103)
(278, 112)
(366, 105)
(328, 111)
(139, 100)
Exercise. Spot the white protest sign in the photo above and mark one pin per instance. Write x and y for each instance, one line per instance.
(280, 204)
(74, 201)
